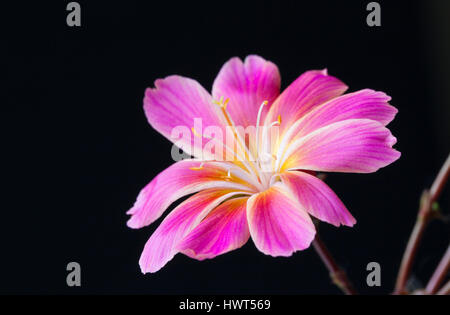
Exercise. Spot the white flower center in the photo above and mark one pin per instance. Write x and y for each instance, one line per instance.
(255, 157)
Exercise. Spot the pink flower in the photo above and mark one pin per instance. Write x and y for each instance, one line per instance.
(320, 129)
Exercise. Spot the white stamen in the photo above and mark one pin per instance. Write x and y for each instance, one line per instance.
(258, 119)
(252, 169)
(240, 141)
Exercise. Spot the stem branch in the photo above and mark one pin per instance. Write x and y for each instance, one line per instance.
(424, 216)
(337, 274)
(439, 274)
(445, 289)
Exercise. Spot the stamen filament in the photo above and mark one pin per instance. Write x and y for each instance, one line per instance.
(242, 160)
(264, 136)
(258, 119)
(247, 154)
(284, 145)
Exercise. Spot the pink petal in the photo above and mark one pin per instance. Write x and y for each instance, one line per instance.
(177, 101)
(278, 224)
(247, 84)
(223, 230)
(175, 182)
(354, 145)
(317, 198)
(161, 247)
(364, 104)
(311, 89)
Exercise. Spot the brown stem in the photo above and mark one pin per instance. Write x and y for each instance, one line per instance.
(337, 274)
(439, 274)
(413, 244)
(424, 216)
(440, 180)
(445, 289)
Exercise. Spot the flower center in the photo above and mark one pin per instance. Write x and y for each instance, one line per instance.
(254, 157)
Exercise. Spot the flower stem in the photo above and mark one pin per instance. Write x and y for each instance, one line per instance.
(440, 180)
(337, 274)
(423, 217)
(445, 289)
(439, 274)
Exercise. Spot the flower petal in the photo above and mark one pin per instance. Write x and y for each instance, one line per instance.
(354, 146)
(177, 181)
(247, 84)
(223, 230)
(309, 90)
(278, 224)
(176, 101)
(161, 247)
(317, 198)
(363, 104)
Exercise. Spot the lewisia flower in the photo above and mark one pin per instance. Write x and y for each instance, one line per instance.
(319, 130)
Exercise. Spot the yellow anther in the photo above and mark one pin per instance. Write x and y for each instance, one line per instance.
(197, 168)
(221, 102)
(265, 103)
(225, 103)
(195, 132)
(276, 122)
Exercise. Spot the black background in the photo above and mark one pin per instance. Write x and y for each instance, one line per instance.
(77, 147)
